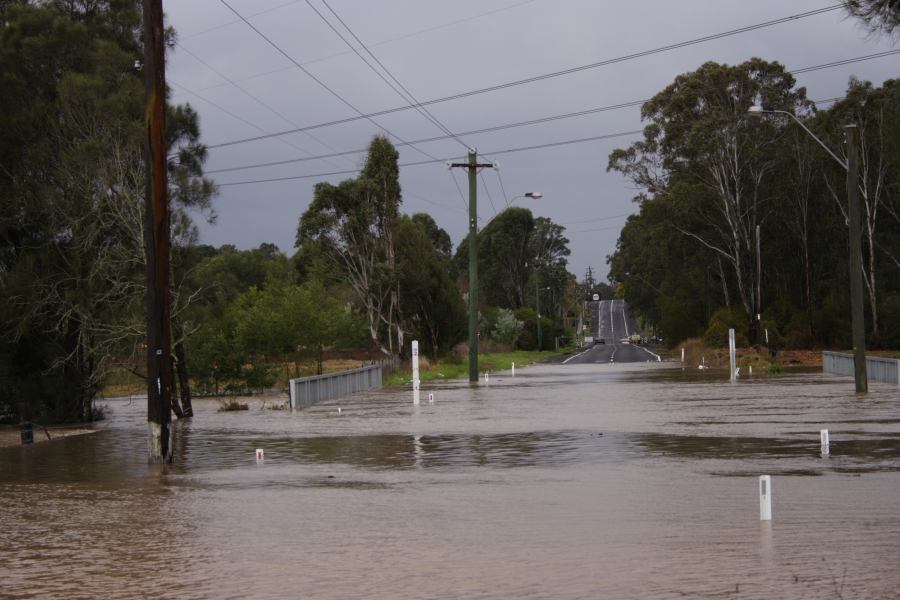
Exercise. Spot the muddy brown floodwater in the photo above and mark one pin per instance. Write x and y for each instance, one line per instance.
(567, 481)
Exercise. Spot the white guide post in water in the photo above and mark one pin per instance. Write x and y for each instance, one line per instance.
(732, 355)
(415, 372)
(487, 378)
(514, 369)
(682, 354)
(260, 455)
(765, 498)
(430, 398)
(823, 436)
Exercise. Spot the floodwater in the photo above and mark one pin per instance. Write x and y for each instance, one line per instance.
(567, 481)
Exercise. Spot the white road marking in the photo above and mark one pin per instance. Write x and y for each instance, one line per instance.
(656, 356)
(576, 356)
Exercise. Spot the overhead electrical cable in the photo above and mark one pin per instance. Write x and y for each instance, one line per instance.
(458, 189)
(234, 22)
(440, 160)
(259, 101)
(344, 53)
(393, 82)
(444, 137)
(546, 76)
(320, 82)
(504, 151)
(488, 192)
(537, 121)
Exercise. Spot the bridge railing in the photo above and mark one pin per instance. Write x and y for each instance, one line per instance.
(306, 391)
(886, 370)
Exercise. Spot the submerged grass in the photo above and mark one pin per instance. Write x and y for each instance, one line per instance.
(231, 405)
(459, 369)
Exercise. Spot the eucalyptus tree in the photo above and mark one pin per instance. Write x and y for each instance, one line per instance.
(431, 303)
(71, 190)
(701, 151)
(876, 114)
(351, 226)
(878, 15)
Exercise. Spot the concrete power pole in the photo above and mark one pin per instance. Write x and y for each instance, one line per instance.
(857, 314)
(156, 235)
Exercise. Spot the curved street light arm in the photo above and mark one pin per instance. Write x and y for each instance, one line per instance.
(755, 110)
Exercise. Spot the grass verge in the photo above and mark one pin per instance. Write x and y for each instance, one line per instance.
(456, 369)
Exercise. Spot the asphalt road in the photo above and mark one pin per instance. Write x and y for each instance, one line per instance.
(612, 322)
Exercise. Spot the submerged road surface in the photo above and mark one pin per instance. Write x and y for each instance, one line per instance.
(612, 323)
(563, 482)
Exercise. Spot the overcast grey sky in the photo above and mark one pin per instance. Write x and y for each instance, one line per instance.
(244, 87)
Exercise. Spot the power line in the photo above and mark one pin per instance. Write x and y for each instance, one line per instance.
(504, 151)
(344, 53)
(250, 16)
(319, 81)
(258, 100)
(597, 219)
(488, 192)
(545, 76)
(458, 189)
(409, 97)
(440, 204)
(437, 160)
(537, 121)
(443, 137)
(593, 230)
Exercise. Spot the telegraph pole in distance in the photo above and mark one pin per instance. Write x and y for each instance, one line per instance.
(473, 167)
(857, 315)
(156, 236)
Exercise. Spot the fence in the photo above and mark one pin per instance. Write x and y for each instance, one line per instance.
(306, 391)
(886, 370)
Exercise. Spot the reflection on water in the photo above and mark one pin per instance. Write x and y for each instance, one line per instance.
(565, 481)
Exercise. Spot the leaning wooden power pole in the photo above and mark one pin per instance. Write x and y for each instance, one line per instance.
(156, 238)
(473, 167)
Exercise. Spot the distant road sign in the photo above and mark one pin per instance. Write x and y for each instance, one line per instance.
(596, 296)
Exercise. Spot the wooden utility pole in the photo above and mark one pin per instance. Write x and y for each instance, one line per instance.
(857, 314)
(156, 238)
(473, 167)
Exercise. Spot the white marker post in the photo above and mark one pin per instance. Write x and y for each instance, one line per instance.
(682, 354)
(415, 372)
(823, 436)
(765, 498)
(487, 378)
(430, 398)
(732, 355)
(514, 369)
(260, 455)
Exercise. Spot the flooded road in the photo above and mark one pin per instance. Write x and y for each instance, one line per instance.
(567, 481)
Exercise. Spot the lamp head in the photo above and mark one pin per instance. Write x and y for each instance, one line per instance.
(755, 111)
(535, 195)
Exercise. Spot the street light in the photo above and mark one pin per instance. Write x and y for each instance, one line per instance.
(532, 195)
(851, 166)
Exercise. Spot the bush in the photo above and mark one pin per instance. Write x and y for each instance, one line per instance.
(716, 334)
(231, 405)
(507, 328)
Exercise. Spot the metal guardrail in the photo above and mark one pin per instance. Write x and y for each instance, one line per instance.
(885, 370)
(306, 391)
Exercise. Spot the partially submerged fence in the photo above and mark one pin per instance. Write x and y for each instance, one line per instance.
(886, 370)
(306, 391)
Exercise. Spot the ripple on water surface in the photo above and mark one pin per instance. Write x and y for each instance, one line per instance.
(565, 481)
